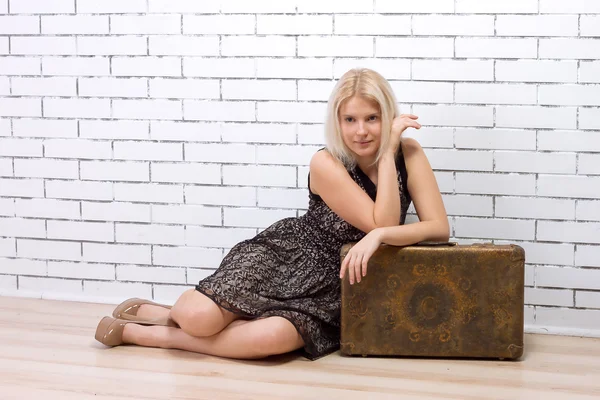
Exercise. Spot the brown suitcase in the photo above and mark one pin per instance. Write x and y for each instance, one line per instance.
(436, 300)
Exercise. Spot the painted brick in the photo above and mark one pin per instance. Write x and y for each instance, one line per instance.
(568, 186)
(182, 46)
(477, 206)
(115, 211)
(75, 25)
(549, 297)
(168, 294)
(110, 6)
(145, 24)
(20, 147)
(185, 131)
(536, 117)
(537, 25)
(77, 108)
(291, 112)
(46, 168)
(187, 256)
(71, 66)
(563, 277)
(589, 164)
(7, 207)
(453, 25)
(113, 87)
(218, 24)
(574, 232)
(21, 266)
(589, 118)
(258, 7)
(219, 110)
(184, 6)
(422, 92)
(20, 107)
(79, 190)
(587, 256)
(340, 46)
(20, 65)
(570, 95)
(425, 6)
(495, 94)
(42, 7)
(285, 154)
(115, 171)
(455, 115)
(185, 88)
(111, 45)
(220, 153)
(587, 299)
(21, 187)
(50, 287)
(583, 49)
(146, 66)
(118, 291)
(186, 173)
(147, 109)
(259, 89)
(261, 133)
(568, 141)
(496, 48)
(8, 247)
(47, 208)
(413, 47)
(186, 214)
(588, 210)
(505, 7)
(335, 6)
(49, 249)
(89, 231)
(547, 163)
(65, 269)
(136, 273)
(545, 253)
(391, 69)
(220, 67)
(292, 25)
(19, 25)
(370, 24)
(570, 7)
(494, 228)
(258, 46)
(495, 139)
(221, 195)
(460, 160)
(148, 151)
(259, 175)
(283, 198)
(121, 129)
(117, 253)
(152, 193)
(589, 71)
(485, 183)
(534, 208)
(77, 148)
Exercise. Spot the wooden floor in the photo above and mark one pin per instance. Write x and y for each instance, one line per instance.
(47, 351)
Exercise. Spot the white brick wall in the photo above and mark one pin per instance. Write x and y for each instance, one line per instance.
(140, 140)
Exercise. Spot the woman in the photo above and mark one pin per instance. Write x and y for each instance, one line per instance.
(280, 291)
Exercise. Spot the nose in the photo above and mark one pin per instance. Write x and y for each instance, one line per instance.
(361, 130)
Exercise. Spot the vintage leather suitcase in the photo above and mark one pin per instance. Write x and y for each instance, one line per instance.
(436, 300)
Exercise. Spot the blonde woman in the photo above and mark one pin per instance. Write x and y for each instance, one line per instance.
(280, 291)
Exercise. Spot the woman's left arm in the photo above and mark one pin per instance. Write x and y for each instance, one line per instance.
(427, 199)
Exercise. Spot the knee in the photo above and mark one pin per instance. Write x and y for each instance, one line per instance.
(196, 314)
(282, 337)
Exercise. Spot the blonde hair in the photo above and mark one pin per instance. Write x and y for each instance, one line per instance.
(371, 86)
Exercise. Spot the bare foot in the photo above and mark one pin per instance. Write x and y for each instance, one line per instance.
(148, 311)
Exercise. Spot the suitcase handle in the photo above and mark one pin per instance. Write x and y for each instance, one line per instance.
(436, 244)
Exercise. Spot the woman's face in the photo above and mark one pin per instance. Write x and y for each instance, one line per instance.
(360, 122)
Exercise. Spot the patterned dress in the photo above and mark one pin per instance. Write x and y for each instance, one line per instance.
(291, 269)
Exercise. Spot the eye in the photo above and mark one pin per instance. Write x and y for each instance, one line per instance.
(348, 119)
(373, 118)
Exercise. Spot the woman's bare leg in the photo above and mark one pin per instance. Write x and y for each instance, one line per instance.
(199, 316)
(241, 339)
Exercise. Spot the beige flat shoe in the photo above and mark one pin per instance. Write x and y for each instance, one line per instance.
(110, 330)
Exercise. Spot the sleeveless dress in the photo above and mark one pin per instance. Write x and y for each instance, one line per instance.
(291, 269)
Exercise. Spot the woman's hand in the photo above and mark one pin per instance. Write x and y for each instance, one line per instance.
(399, 125)
(357, 258)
